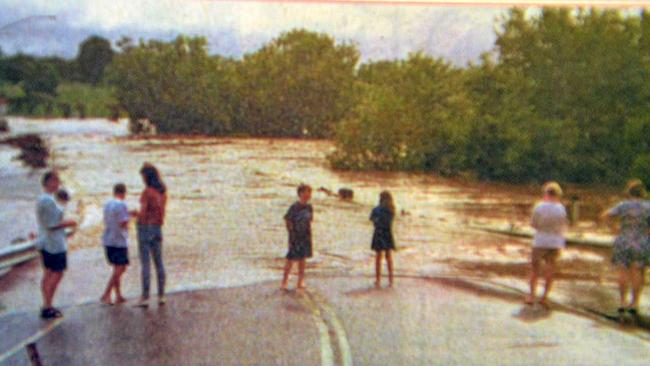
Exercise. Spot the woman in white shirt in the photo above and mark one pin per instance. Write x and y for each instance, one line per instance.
(550, 221)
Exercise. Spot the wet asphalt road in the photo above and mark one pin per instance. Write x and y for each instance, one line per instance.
(338, 321)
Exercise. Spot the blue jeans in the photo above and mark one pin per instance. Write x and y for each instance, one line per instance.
(150, 244)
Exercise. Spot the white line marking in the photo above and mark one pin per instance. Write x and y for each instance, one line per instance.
(31, 339)
(326, 352)
(339, 330)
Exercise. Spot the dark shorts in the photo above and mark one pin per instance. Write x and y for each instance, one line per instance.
(54, 262)
(117, 256)
(299, 250)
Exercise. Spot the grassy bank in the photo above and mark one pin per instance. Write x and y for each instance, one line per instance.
(72, 99)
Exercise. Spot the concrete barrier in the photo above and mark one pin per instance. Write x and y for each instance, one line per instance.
(16, 254)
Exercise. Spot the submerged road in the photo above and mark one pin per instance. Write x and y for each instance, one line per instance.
(337, 321)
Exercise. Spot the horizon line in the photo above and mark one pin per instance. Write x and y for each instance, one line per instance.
(464, 3)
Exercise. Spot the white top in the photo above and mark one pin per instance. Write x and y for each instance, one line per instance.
(550, 221)
(115, 214)
(48, 215)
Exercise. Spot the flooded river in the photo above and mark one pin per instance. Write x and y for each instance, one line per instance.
(227, 197)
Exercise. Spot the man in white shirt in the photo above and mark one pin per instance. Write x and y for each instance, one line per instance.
(550, 221)
(51, 242)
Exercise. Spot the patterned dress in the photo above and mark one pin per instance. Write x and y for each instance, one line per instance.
(382, 238)
(631, 244)
(300, 216)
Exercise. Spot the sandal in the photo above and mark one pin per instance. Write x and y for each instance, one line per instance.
(56, 313)
(51, 313)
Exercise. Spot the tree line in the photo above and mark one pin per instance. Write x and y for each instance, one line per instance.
(564, 94)
(48, 85)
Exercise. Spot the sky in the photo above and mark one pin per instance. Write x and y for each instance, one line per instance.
(233, 28)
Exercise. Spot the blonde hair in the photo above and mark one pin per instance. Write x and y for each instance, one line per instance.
(386, 200)
(635, 188)
(552, 189)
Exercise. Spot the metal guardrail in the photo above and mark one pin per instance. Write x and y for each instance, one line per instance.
(16, 254)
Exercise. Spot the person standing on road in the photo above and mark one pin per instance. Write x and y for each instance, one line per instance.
(149, 226)
(631, 251)
(115, 241)
(382, 239)
(298, 222)
(51, 242)
(550, 222)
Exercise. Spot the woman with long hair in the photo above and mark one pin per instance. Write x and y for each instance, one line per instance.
(150, 221)
(382, 239)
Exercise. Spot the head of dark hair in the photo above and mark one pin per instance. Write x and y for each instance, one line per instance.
(303, 188)
(152, 178)
(119, 188)
(63, 195)
(49, 175)
(386, 201)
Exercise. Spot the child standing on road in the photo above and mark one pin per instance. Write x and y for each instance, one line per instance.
(298, 222)
(115, 241)
(550, 221)
(382, 239)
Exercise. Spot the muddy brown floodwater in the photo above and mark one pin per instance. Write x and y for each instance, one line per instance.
(227, 197)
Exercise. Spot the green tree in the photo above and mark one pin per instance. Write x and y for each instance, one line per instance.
(176, 85)
(413, 115)
(299, 84)
(586, 68)
(41, 78)
(95, 53)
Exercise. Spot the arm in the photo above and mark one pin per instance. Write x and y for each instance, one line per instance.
(144, 203)
(52, 217)
(63, 225)
(608, 214)
(605, 216)
(125, 216)
(288, 220)
(534, 219)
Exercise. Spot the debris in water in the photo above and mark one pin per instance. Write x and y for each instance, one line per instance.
(34, 152)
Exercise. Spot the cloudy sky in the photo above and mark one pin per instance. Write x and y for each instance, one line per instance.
(233, 28)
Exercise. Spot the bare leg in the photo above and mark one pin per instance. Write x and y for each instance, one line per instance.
(389, 263)
(548, 278)
(378, 268)
(534, 272)
(117, 284)
(623, 279)
(301, 273)
(106, 296)
(45, 284)
(285, 276)
(54, 280)
(636, 277)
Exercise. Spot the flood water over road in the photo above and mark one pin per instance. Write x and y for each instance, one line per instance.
(227, 197)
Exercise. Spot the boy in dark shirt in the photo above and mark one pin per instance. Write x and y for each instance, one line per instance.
(298, 221)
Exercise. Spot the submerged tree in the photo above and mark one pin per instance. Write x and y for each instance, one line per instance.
(299, 84)
(176, 85)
